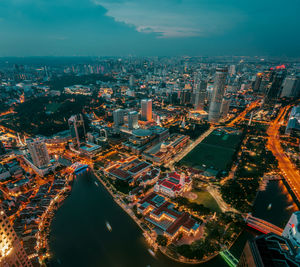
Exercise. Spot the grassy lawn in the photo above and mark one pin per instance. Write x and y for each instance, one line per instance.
(206, 199)
(53, 107)
(215, 151)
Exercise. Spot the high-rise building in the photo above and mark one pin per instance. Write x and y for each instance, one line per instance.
(12, 252)
(225, 106)
(257, 82)
(38, 152)
(275, 88)
(185, 96)
(133, 117)
(200, 95)
(76, 125)
(214, 113)
(289, 86)
(2, 148)
(269, 250)
(118, 115)
(232, 70)
(146, 109)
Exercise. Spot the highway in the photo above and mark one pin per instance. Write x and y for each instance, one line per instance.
(290, 173)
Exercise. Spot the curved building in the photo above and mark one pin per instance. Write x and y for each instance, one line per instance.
(214, 113)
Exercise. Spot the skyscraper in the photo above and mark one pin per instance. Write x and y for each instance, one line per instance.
(12, 252)
(118, 115)
(289, 87)
(76, 125)
(225, 106)
(275, 89)
(257, 83)
(146, 109)
(38, 152)
(200, 95)
(133, 117)
(217, 95)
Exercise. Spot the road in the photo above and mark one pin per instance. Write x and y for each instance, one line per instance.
(190, 147)
(290, 173)
(242, 115)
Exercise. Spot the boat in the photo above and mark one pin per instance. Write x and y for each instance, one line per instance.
(108, 226)
(96, 183)
(151, 252)
(270, 206)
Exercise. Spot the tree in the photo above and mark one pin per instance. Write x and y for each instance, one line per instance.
(161, 240)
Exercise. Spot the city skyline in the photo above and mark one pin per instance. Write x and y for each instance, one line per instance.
(147, 28)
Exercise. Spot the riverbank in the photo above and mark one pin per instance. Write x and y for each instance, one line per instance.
(42, 246)
(147, 235)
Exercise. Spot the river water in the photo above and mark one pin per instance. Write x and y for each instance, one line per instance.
(79, 237)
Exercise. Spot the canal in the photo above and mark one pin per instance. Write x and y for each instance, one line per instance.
(79, 236)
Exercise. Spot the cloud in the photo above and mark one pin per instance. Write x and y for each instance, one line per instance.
(171, 18)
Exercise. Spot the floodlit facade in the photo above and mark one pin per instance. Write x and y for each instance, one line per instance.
(38, 152)
(12, 252)
(146, 109)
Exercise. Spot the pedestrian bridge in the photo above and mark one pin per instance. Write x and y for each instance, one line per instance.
(262, 225)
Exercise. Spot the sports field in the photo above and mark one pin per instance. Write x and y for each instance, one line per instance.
(214, 152)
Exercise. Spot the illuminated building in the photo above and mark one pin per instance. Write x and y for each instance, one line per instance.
(133, 118)
(257, 83)
(38, 152)
(269, 250)
(225, 107)
(217, 95)
(118, 115)
(173, 184)
(76, 125)
(12, 253)
(200, 95)
(146, 109)
(166, 218)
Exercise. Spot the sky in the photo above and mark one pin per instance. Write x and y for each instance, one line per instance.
(149, 27)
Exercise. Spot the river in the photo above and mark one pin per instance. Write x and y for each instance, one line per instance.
(79, 237)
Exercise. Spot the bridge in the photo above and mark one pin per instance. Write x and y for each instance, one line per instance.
(262, 225)
(229, 258)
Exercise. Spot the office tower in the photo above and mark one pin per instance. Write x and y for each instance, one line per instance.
(146, 109)
(257, 83)
(76, 125)
(12, 252)
(269, 250)
(118, 115)
(185, 96)
(275, 89)
(289, 86)
(133, 117)
(2, 148)
(38, 152)
(200, 95)
(225, 106)
(217, 95)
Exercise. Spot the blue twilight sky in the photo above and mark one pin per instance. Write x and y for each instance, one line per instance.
(149, 27)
